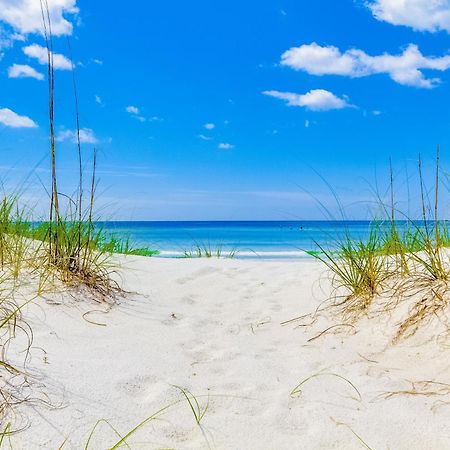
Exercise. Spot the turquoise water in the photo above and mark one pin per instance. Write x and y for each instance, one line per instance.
(268, 239)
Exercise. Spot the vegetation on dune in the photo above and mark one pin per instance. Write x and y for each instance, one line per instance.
(399, 260)
(68, 247)
(114, 244)
(15, 255)
(206, 251)
(358, 269)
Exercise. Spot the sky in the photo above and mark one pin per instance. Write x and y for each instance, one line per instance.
(226, 110)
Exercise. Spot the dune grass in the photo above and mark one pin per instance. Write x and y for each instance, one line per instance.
(357, 270)
(66, 247)
(73, 250)
(400, 259)
(203, 250)
(13, 381)
(124, 246)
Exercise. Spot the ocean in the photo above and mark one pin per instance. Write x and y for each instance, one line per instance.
(245, 239)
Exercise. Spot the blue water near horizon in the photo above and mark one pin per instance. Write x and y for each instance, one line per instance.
(249, 239)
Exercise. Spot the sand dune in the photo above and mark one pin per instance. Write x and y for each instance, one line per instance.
(213, 327)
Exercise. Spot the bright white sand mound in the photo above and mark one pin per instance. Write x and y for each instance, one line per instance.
(213, 327)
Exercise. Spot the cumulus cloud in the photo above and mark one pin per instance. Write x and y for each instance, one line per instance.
(25, 16)
(13, 120)
(314, 100)
(421, 15)
(209, 126)
(24, 71)
(405, 68)
(87, 136)
(40, 53)
(225, 146)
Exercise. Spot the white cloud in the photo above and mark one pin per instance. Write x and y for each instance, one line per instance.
(24, 71)
(98, 100)
(225, 146)
(11, 119)
(315, 100)
(317, 60)
(7, 38)
(421, 15)
(205, 138)
(135, 112)
(87, 136)
(209, 126)
(99, 62)
(132, 109)
(25, 16)
(376, 112)
(40, 53)
(307, 123)
(405, 68)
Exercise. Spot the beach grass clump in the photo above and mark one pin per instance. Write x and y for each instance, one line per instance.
(74, 253)
(15, 245)
(404, 261)
(429, 284)
(357, 270)
(206, 251)
(124, 246)
(72, 250)
(398, 244)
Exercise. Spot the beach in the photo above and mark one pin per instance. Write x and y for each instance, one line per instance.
(224, 225)
(214, 327)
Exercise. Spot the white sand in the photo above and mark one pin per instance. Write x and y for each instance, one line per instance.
(213, 327)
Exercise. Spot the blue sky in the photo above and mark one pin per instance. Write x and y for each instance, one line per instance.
(227, 110)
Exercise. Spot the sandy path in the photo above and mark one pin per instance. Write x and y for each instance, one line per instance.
(213, 327)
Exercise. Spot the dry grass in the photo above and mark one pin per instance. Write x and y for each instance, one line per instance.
(425, 388)
(14, 382)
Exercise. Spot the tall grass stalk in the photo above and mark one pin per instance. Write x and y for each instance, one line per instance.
(431, 259)
(73, 250)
